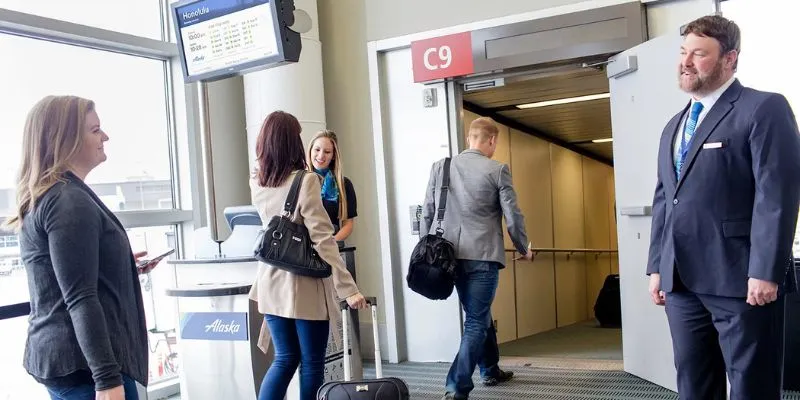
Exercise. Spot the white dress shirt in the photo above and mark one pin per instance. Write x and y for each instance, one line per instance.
(708, 102)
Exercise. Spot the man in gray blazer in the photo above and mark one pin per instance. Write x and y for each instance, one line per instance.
(724, 216)
(479, 196)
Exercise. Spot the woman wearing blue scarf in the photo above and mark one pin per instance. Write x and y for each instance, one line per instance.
(323, 157)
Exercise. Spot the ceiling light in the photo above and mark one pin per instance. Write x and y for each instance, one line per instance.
(606, 140)
(565, 101)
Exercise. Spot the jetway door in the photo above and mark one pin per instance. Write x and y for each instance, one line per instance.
(644, 96)
(415, 135)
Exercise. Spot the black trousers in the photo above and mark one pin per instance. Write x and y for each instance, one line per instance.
(712, 335)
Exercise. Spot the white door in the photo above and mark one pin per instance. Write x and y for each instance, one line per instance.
(644, 96)
(414, 137)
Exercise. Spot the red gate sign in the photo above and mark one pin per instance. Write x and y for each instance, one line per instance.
(442, 57)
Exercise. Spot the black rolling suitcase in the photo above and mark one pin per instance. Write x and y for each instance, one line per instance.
(607, 308)
(379, 388)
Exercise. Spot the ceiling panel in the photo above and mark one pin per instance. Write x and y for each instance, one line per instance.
(602, 149)
(576, 123)
(585, 82)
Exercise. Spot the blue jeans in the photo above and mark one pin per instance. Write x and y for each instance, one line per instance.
(86, 392)
(297, 342)
(476, 285)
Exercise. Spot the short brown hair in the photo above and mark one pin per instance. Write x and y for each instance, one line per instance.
(483, 129)
(725, 31)
(279, 149)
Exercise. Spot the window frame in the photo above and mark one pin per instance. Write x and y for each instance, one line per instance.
(68, 33)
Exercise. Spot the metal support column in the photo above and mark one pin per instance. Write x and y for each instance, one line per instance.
(208, 165)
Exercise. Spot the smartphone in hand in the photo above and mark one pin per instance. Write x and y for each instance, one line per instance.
(142, 263)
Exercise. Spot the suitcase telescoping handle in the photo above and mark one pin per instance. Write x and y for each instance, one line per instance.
(373, 305)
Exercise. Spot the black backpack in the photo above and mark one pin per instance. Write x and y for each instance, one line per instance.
(431, 271)
(607, 308)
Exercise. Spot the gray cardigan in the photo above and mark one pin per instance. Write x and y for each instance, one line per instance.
(87, 315)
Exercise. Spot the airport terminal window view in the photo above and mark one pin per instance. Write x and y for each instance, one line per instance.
(135, 17)
(132, 96)
(129, 95)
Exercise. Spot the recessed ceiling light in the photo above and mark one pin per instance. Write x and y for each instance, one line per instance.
(565, 101)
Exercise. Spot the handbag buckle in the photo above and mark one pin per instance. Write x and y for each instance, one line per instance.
(277, 235)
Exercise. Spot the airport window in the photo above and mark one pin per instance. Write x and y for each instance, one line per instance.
(9, 241)
(160, 310)
(17, 384)
(134, 96)
(762, 27)
(130, 98)
(139, 17)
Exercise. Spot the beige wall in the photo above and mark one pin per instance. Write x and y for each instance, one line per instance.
(565, 199)
(535, 289)
(345, 28)
(387, 18)
(347, 105)
(599, 235)
(569, 233)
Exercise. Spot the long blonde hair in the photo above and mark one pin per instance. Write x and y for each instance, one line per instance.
(335, 166)
(52, 137)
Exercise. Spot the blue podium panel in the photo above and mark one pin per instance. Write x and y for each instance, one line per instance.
(214, 326)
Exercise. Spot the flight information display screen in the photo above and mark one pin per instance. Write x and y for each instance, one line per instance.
(220, 36)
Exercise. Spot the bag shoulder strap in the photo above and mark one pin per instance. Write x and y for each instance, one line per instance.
(294, 192)
(443, 194)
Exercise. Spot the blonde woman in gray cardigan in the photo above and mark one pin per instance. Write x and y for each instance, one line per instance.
(87, 338)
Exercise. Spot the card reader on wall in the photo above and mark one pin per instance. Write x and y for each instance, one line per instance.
(636, 211)
(415, 212)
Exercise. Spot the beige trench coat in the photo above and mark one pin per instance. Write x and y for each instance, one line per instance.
(288, 295)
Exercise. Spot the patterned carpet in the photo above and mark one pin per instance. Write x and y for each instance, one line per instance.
(426, 382)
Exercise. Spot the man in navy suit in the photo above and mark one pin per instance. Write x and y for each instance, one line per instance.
(724, 216)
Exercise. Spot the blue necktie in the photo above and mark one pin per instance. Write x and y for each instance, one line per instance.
(688, 132)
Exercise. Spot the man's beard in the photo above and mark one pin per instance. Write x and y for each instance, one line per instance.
(700, 83)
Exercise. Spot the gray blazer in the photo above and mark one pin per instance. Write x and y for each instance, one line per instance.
(87, 317)
(480, 196)
(732, 214)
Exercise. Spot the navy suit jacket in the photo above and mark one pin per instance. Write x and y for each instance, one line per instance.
(732, 214)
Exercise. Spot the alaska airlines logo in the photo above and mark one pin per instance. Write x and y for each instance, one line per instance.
(219, 327)
(195, 13)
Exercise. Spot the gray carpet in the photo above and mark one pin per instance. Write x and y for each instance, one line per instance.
(585, 340)
(426, 382)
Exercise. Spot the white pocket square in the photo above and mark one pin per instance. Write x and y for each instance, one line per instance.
(714, 145)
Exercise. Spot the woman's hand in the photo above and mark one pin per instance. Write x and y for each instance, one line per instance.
(117, 393)
(146, 268)
(345, 231)
(357, 301)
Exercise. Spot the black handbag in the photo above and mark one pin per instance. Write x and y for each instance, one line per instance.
(432, 270)
(286, 244)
